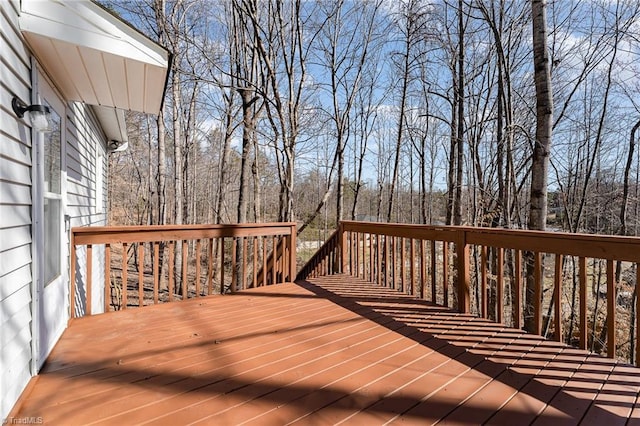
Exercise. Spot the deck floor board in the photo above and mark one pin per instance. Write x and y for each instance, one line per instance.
(331, 350)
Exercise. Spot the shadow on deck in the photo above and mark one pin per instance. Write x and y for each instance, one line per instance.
(329, 350)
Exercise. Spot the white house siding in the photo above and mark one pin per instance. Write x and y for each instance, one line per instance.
(15, 213)
(85, 144)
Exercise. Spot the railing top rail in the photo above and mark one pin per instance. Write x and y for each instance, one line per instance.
(148, 233)
(585, 245)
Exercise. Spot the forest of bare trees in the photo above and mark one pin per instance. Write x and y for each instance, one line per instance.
(419, 111)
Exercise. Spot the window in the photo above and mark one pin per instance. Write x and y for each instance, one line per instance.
(52, 199)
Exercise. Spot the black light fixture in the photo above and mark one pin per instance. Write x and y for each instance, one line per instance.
(39, 114)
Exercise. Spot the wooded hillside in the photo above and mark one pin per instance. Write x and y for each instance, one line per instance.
(412, 111)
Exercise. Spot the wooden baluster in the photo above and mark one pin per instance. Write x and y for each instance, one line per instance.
(371, 271)
(292, 254)
(412, 266)
(394, 273)
(274, 250)
(322, 270)
(557, 298)
(500, 285)
(463, 265)
(125, 276)
(611, 309)
(156, 269)
(185, 252)
(245, 248)
(172, 245)
(445, 273)
(402, 265)
(210, 268)
(388, 266)
(278, 261)
(379, 260)
(254, 242)
(282, 260)
(140, 274)
(72, 275)
(423, 270)
(234, 264)
(518, 273)
(198, 266)
(342, 248)
(222, 256)
(361, 256)
(537, 298)
(637, 315)
(107, 277)
(582, 276)
(89, 288)
(434, 292)
(483, 282)
(352, 254)
(264, 261)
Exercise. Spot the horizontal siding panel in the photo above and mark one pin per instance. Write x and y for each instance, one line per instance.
(15, 380)
(15, 172)
(13, 215)
(12, 305)
(15, 320)
(14, 237)
(89, 220)
(79, 200)
(17, 331)
(15, 194)
(18, 84)
(14, 259)
(79, 166)
(12, 127)
(18, 355)
(74, 169)
(84, 217)
(15, 149)
(19, 65)
(14, 281)
(82, 189)
(10, 32)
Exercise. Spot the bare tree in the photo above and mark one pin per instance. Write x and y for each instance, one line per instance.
(542, 145)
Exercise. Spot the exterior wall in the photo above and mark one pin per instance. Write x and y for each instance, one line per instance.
(15, 213)
(86, 149)
(85, 146)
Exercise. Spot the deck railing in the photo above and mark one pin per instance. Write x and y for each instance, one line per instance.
(176, 262)
(584, 286)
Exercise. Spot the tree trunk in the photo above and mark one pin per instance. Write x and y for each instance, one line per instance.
(457, 208)
(541, 149)
(399, 134)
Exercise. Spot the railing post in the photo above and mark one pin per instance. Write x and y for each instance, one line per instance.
(463, 278)
(89, 282)
(342, 241)
(72, 278)
(292, 254)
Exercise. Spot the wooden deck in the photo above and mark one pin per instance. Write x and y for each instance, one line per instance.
(329, 351)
